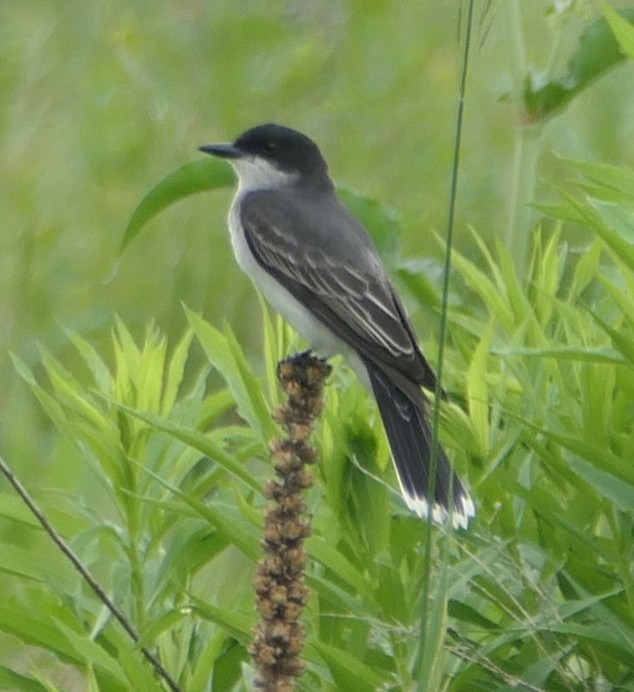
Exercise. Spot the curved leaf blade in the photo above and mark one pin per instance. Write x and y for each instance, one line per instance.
(198, 176)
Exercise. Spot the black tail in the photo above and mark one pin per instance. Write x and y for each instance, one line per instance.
(410, 437)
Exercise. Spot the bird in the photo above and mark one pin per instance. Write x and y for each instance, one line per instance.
(317, 266)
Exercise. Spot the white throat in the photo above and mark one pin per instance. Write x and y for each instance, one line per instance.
(256, 173)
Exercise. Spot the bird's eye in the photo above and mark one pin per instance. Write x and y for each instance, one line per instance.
(270, 147)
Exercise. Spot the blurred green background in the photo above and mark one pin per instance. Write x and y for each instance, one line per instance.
(101, 100)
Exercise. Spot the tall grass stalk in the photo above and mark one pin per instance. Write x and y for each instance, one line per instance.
(427, 657)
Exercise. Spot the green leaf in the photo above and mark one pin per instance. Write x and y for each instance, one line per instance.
(622, 342)
(88, 651)
(336, 596)
(93, 360)
(199, 176)
(28, 564)
(225, 354)
(198, 441)
(12, 508)
(167, 621)
(73, 395)
(431, 663)
(322, 551)
(621, 28)
(615, 489)
(600, 354)
(238, 625)
(489, 292)
(175, 372)
(229, 522)
(253, 387)
(10, 680)
(32, 628)
(620, 245)
(193, 547)
(605, 178)
(597, 635)
(478, 390)
(348, 671)
(596, 53)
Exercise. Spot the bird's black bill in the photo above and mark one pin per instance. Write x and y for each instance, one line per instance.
(224, 151)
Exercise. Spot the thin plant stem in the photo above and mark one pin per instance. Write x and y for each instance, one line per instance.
(526, 149)
(85, 574)
(420, 674)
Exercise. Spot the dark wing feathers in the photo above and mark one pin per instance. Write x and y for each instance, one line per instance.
(351, 294)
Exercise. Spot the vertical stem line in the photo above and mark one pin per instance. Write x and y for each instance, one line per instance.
(421, 673)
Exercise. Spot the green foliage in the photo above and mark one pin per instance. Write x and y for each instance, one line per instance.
(602, 45)
(199, 176)
(538, 593)
(150, 459)
(150, 540)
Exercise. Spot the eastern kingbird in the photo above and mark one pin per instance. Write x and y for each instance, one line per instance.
(316, 265)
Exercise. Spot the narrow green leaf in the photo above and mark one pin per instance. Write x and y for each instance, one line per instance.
(10, 680)
(330, 557)
(175, 372)
(52, 408)
(167, 621)
(585, 271)
(623, 342)
(478, 390)
(615, 489)
(597, 52)
(90, 652)
(139, 673)
(12, 508)
(203, 672)
(485, 288)
(198, 441)
(621, 28)
(253, 387)
(214, 405)
(226, 356)
(199, 176)
(238, 625)
(42, 631)
(618, 179)
(229, 522)
(622, 248)
(595, 634)
(271, 350)
(537, 675)
(24, 371)
(574, 353)
(430, 670)
(466, 613)
(93, 360)
(186, 553)
(348, 671)
(72, 393)
(337, 597)
(28, 564)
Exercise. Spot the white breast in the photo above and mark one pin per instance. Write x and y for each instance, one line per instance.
(315, 332)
